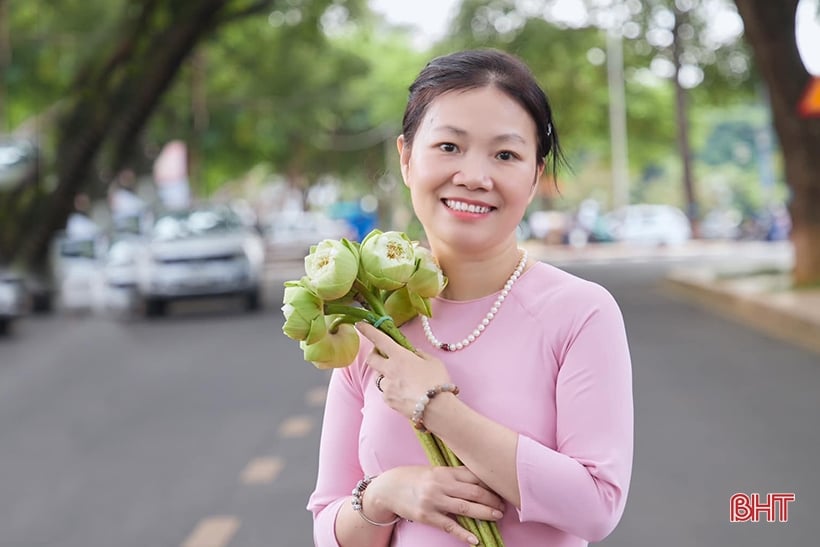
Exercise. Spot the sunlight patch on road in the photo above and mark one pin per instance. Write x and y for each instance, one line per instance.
(316, 396)
(296, 426)
(262, 470)
(213, 532)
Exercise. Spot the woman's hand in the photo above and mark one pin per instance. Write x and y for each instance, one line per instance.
(407, 375)
(435, 496)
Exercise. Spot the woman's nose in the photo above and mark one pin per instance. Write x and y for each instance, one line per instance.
(474, 173)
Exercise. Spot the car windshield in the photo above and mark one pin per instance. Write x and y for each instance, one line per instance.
(193, 224)
(77, 248)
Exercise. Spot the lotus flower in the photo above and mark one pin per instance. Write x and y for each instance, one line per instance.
(332, 267)
(428, 280)
(335, 350)
(387, 259)
(304, 313)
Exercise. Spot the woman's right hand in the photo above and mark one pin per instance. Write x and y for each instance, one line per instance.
(434, 496)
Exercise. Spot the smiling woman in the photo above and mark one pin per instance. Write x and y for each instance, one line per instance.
(528, 375)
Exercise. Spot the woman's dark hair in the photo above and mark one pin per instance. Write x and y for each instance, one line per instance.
(478, 68)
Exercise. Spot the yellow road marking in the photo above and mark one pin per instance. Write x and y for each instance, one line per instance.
(213, 532)
(296, 426)
(262, 470)
(316, 396)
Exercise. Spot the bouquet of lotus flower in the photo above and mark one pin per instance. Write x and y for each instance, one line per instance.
(386, 280)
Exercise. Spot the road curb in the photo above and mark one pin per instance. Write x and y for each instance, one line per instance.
(779, 314)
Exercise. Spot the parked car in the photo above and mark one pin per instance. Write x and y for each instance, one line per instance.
(721, 224)
(649, 224)
(289, 235)
(77, 263)
(119, 274)
(18, 161)
(12, 299)
(197, 253)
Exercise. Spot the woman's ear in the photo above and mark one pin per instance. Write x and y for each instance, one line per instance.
(539, 171)
(404, 157)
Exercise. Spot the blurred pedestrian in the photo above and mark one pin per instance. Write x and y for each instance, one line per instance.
(526, 368)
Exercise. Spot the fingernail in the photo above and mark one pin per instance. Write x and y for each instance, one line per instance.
(498, 514)
(473, 540)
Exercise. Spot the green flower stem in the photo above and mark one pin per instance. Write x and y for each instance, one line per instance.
(334, 326)
(359, 314)
(431, 448)
(372, 298)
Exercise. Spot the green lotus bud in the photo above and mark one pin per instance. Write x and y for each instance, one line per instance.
(387, 259)
(428, 280)
(332, 267)
(336, 350)
(304, 313)
(402, 306)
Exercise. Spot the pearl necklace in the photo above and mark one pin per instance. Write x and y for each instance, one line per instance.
(428, 332)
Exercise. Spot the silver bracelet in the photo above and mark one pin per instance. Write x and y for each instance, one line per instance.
(357, 502)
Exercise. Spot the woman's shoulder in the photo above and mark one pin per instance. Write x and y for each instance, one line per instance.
(544, 288)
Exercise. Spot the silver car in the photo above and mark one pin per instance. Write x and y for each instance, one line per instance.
(12, 299)
(200, 253)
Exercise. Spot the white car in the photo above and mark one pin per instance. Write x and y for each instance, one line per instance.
(649, 224)
(200, 253)
(77, 271)
(289, 235)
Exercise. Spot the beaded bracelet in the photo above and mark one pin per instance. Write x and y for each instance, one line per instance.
(418, 412)
(357, 502)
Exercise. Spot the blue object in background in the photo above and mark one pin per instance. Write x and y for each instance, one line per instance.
(352, 213)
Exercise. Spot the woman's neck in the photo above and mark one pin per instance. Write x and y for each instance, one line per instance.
(471, 277)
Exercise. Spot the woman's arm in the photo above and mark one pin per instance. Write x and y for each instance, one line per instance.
(581, 487)
(335, 523)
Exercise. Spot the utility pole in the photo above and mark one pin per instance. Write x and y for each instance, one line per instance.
(5, 62)
(617, 118)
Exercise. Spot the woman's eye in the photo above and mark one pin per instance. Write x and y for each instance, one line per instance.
(448, 147)
(506, 155)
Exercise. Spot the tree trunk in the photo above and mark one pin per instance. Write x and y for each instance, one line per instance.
(682, 117)
(770, 30)
(115, 96)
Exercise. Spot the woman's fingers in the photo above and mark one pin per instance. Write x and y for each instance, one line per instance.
(478, 495)
(464, 508)
(450, 526)
(469, 487)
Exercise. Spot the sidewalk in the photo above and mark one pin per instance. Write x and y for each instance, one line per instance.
(755, 290)
(764, 301)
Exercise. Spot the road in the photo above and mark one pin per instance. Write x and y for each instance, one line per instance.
(201, 429)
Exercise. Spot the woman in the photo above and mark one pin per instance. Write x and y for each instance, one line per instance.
(542, 418)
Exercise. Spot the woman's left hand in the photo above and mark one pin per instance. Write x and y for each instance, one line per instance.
(407, 375)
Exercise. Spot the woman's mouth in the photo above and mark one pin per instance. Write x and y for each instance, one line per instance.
(464, 207)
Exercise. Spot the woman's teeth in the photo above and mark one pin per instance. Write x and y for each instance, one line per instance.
(469, 208)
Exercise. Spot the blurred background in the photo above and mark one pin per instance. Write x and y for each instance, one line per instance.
(166, 165)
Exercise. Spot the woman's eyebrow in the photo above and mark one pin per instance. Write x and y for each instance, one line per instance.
(504, 137)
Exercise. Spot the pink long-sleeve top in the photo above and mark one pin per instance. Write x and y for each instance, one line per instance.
(553, 365)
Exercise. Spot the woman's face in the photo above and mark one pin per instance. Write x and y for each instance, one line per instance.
(472, 169)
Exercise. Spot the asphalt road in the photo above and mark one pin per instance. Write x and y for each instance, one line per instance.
(201, 429)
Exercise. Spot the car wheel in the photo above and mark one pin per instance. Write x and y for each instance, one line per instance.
(155, 307)
(5, 326)
(252, 300)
